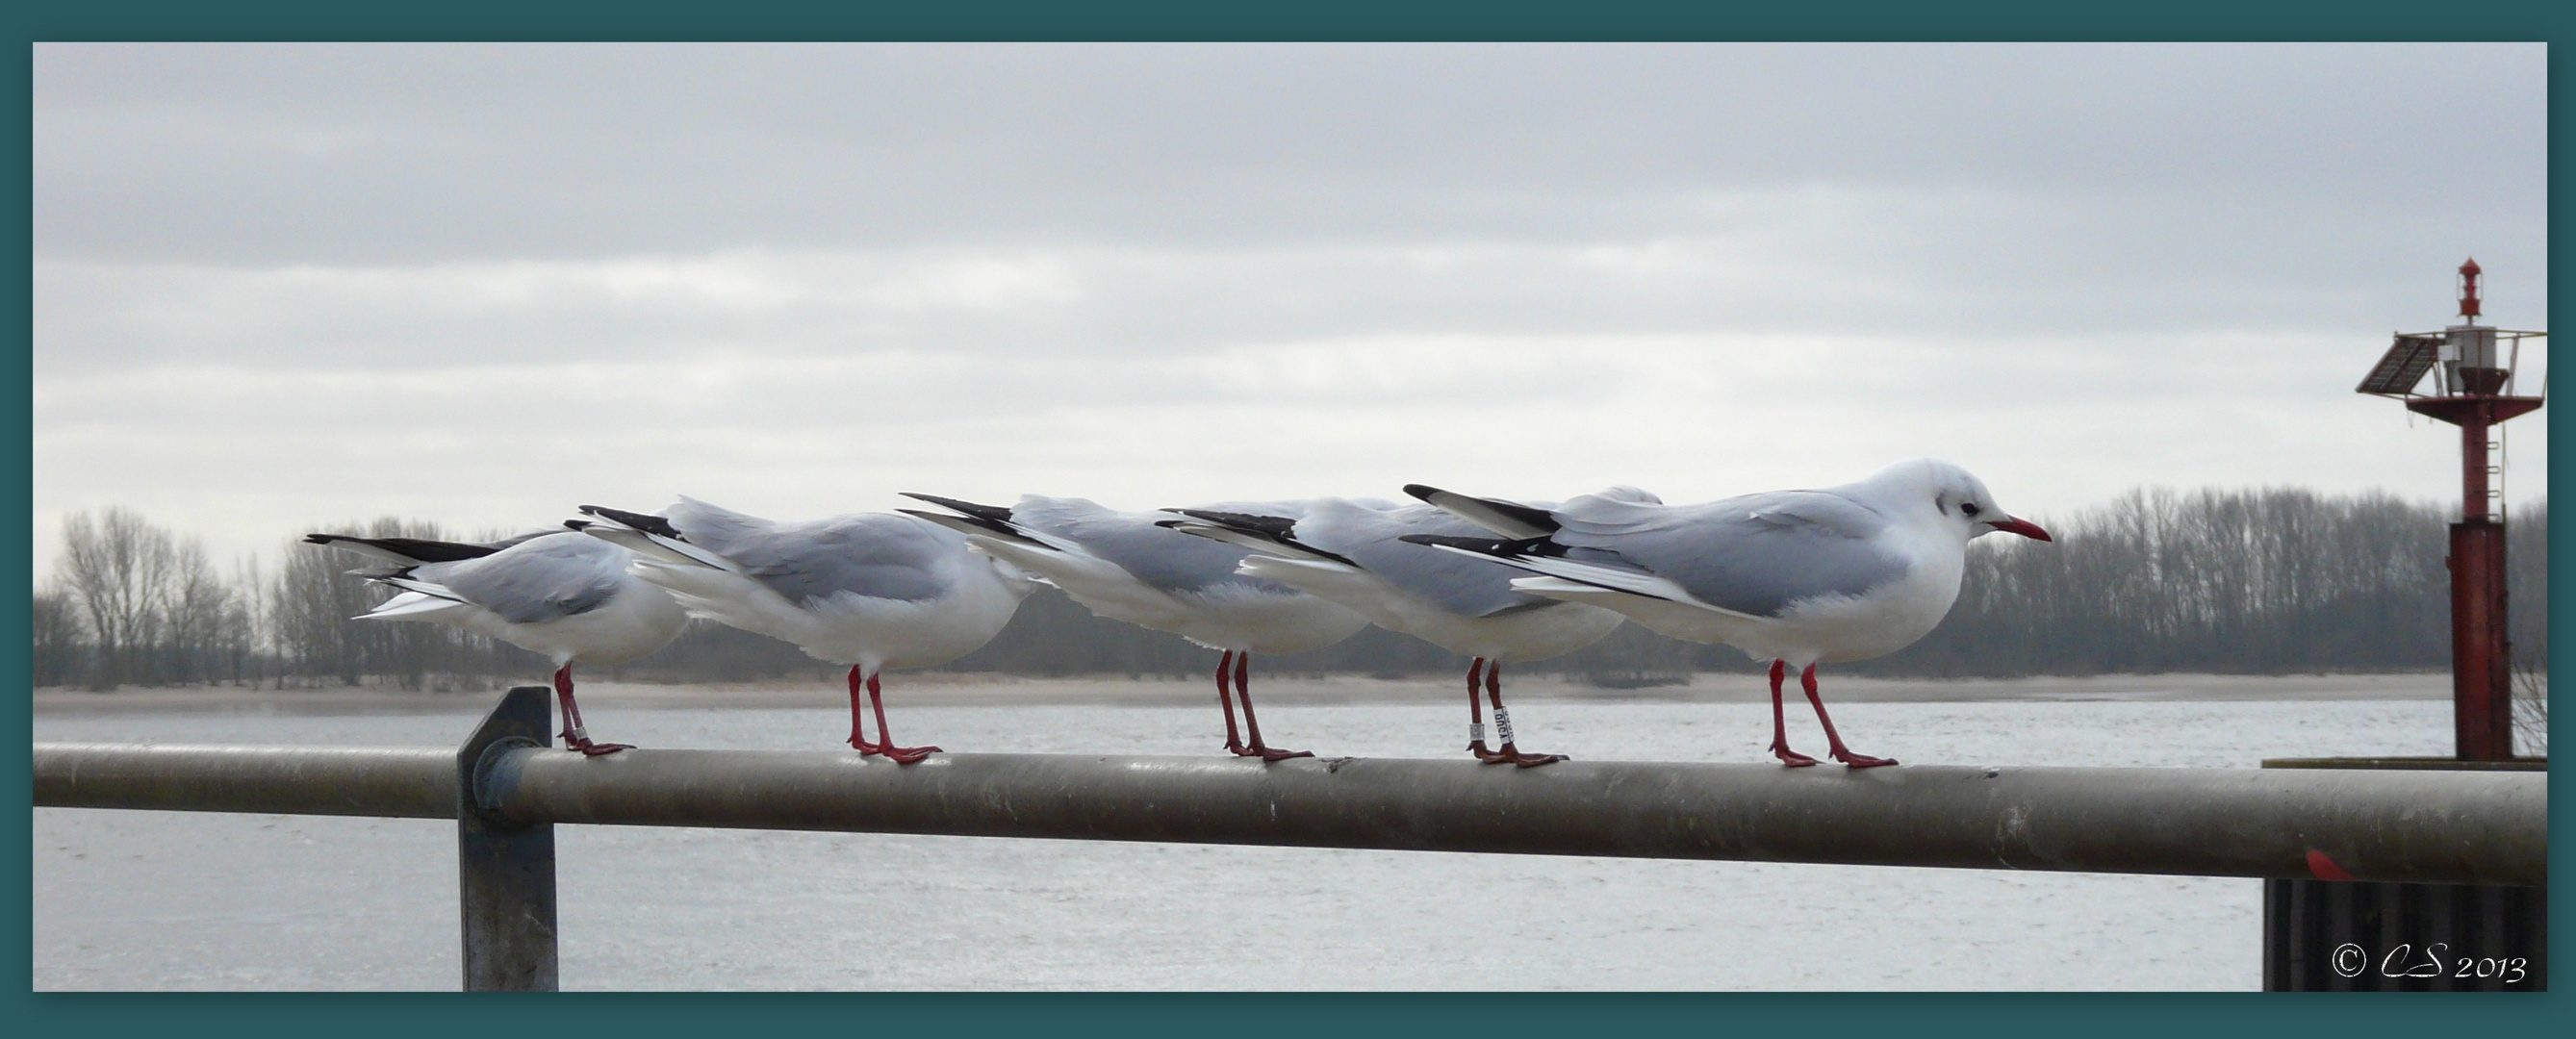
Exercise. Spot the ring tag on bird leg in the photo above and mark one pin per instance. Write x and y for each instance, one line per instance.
(1476, 732)
(1503, 724)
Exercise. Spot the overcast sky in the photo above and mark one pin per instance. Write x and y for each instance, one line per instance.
(284, 286)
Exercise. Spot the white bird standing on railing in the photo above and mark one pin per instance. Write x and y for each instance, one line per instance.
(1355, 554)
(1123, 566)
(873, 590)
(1795, 577)
(556, 593)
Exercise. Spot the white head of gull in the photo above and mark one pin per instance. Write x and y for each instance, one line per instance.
(873, 590)
(1794, 577)
(555, 593)
(1127, 567)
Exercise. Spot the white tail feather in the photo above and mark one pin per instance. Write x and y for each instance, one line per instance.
(656, 547)
(1256, 542)
(1554, 569)
(1286, 571)
(407, 604)
(417, 586)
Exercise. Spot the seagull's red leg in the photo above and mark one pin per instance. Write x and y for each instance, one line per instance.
(563, 700)
(1807, 680)
(1779, 724)
(575, 736)
(1225, 699)
(885, 736)
(1476, 713)
(1503, 725)
(858, 710)
(1243, 688)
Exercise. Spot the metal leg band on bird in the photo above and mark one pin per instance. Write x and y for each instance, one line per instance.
(576, 736)
(1503, 725)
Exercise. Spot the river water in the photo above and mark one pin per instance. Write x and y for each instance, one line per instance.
(153, 900)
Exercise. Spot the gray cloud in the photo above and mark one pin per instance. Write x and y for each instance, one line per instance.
(292, 153)
(282, 285)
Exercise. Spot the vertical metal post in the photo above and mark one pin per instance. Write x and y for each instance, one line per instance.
(2481, 687)
(2481, 682)
(505, 871)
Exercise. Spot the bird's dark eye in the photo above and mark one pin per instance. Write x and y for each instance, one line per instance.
(1967, 508)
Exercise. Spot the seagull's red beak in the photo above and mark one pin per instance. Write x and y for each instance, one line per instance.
(2020, 526)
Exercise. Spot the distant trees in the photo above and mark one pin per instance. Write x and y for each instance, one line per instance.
(2263, 581)
(313, 604)
(61, 650)
(2527, 600)
(131, 603)
(2272, 580)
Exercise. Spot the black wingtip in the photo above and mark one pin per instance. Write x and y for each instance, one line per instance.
(1500, 548)
(578, 524)
(995, 513)
(1485, 545)
(1280, 527)
(643, 521)
(1001, 528)
(1515, 513)
(418, 550)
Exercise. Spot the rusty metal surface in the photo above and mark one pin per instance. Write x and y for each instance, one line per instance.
(2481, 678)
(2470, 827)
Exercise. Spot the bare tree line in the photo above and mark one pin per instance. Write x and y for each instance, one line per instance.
(2275, 580)
(2267, 581)
(132, 603)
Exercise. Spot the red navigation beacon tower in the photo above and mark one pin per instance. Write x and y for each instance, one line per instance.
(2474, 390)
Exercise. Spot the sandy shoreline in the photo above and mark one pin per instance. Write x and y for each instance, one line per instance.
(996, 690)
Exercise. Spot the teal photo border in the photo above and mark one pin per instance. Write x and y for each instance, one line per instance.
(1348, 1014)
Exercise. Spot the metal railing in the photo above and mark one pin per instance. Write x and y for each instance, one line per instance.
(507, 791)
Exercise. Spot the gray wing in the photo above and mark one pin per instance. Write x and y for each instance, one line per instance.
(537, 579)
(1159, 557)
(879, 555)
(1755, 554)
(1464, 585)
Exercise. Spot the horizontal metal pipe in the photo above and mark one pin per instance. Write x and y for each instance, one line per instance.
(2431, 827)
(383, 781)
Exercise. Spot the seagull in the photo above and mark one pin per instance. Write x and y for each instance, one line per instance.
(1356, 555)
(1795, 577)
(873, 590)
(555, 593)
(1127, 567)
